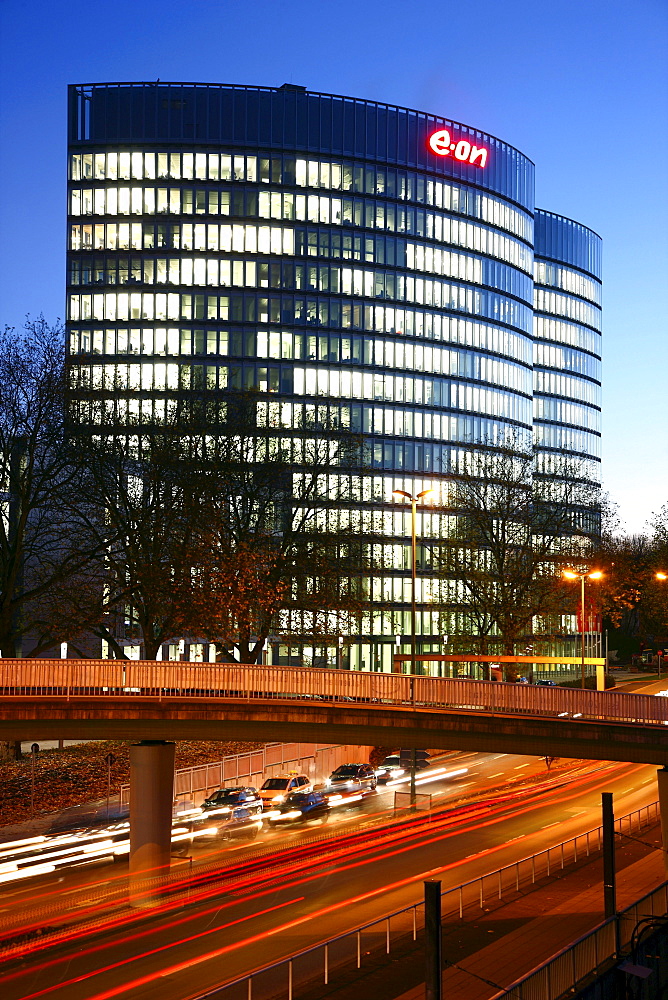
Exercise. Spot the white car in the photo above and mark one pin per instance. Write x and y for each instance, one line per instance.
(275, 790)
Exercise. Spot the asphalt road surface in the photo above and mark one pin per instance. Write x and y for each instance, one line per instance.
(294, 888)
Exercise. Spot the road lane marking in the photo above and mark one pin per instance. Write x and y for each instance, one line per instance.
(520, 766)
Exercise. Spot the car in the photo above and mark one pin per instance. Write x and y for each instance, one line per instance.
(546, 684)
(226, 824)
(224, 801)
(301, 807)
(242, 823)
(352, 778)
(275, 790)
(397, 765)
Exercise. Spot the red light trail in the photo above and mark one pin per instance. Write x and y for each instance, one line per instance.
(476, 816)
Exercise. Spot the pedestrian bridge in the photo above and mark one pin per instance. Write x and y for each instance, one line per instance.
(155, 703)
(123, 699)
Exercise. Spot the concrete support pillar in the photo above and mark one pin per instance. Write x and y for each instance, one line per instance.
(662, 782)
(151, 799)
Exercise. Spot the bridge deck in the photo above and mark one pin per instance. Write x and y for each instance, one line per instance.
(41, 699)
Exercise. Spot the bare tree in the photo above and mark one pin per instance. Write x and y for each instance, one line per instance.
(147, 501)
(633, 601)
(514, 530)
(218, 530)
(43, 547)
(278, 563)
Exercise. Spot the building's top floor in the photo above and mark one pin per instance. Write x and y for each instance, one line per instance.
(566, 241)
(290, 118)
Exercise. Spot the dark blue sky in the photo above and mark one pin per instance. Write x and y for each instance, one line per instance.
(580, 87)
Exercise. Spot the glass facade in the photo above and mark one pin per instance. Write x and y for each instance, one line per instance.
(317, 250)
(567, 342)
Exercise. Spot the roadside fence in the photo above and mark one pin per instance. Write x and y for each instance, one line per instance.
(568, 971)
(193, 784)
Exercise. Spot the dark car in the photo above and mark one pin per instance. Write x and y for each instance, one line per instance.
(546, 684)
(225, 825)
(225, 801)
(352, 778)
(300, 807)
(397, 765)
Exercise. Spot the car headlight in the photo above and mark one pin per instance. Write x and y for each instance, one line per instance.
(278, 798)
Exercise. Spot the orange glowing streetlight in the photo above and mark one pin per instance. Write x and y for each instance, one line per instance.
(660, 576)
(572, 574)
(414, 500)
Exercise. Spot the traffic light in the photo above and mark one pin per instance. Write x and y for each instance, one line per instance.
(422, 759)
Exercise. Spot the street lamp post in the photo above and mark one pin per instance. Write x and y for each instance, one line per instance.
(414, 500)
(109, 760)
(661, 577)
(589, 575)
(34, 750)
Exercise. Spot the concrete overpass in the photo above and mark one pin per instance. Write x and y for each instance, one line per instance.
(135, 700)
(183, 718)
(158, 702)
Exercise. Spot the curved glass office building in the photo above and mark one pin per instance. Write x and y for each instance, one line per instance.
(330, 252)
(567, 349)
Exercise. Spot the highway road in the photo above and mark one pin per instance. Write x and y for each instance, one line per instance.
(291, 889)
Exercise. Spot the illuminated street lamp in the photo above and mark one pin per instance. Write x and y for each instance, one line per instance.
(414, 500)
(660, 576)
(589, 575)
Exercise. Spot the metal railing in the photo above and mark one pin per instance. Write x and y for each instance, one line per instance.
(73, 679)
(193, 784)
(346, 952)
(568, 970)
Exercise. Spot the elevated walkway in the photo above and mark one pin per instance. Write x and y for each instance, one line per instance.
(162, 701)
(154, 703)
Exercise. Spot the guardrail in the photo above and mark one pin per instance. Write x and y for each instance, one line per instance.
(568, 970)
(345, 952)
(73, 679)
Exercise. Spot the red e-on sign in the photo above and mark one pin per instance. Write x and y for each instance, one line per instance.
(441, 143)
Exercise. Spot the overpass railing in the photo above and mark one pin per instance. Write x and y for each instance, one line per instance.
(162, 680)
